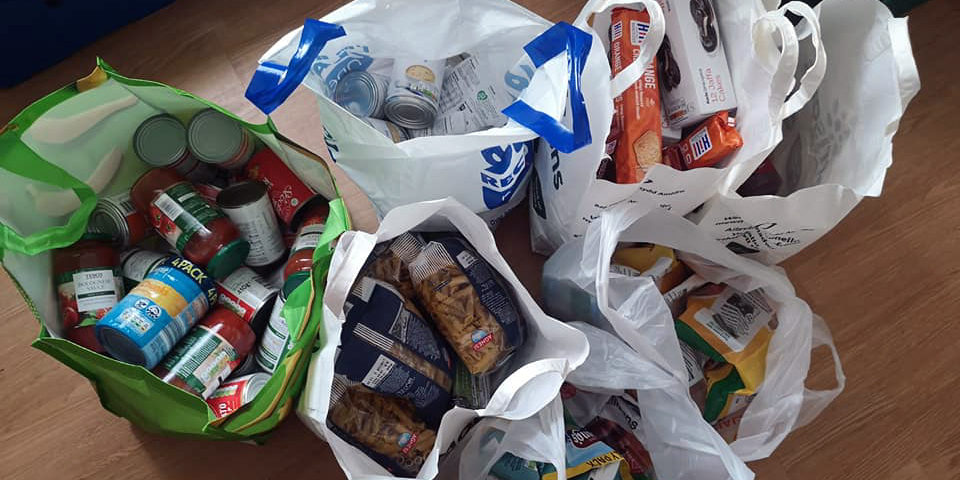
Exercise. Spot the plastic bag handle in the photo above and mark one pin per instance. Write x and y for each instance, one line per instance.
(812, 78)
(271, 83)
(558, 39)
(815, 401)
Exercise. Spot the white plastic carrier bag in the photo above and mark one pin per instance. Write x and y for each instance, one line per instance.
(531, 379)
(836, 149)
(761, 49)
(525, 66)
(578, 284)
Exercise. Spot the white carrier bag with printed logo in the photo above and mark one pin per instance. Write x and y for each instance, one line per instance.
(761, 49)
(836, 150)
(523, 67)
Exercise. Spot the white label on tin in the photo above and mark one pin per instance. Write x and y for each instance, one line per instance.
(243, 292)
(138, 263)
(419, 77)
(215, 368)
(258, 225)
(469, 102)
(309, 237)
(122, 201)
(276, 338)
(95, 289)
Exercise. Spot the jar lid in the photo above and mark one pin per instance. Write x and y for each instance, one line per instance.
(214, 137)
(228, 259)
(294, 281)
(160, 140)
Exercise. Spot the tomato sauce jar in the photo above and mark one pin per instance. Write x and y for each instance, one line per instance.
(191, 224)
(300, 263)
(89, 285)
(291, 198)
(207, 355)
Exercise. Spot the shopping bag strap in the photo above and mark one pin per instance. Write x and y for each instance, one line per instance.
(815, 401)
(558, 39)
(811, 79)
(272, 83)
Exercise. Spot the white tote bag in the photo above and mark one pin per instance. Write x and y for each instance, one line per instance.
(551, 351)
(522, 56)
(762, 51)
(577, 279)
(837, 149)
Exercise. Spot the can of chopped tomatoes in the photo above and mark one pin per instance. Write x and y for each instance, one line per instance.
(116, 216)
(236, 393)
(248, 295)
(288, 193)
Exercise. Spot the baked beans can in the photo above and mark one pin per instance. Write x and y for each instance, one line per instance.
(288, 194)
(161, 141)
(137, 263)
(116, 216)
(275, 342)
(248, 295)
(145, 325)
(388, 129)
(413, 99)
(362, 93)
(233, 394)
(215, 138)
(248, 206)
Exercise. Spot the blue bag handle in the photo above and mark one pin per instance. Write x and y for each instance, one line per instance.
(272, 83)
(558, 39)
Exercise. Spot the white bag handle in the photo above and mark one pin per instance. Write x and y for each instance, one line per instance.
(632, 73)
(356, 255)
(811, 79)
(814, 401)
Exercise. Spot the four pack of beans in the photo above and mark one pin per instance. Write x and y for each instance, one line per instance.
(187, 273)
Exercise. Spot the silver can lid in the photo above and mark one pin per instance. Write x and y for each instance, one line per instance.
(410, 110)
(160, 140)
(108, 219)
(361, 93)
(214, 137)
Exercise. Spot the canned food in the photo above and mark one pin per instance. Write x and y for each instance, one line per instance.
(215, 138)
(161, 141)
(117, 217)
(248, 206)
(248, 366)
(145, 325)
(136, 263)
(288, 194)
(413, 99)
(275, 342)
(388, 129)
(208, 191)
(236, 393)
(248, 295)
(298, 266)
(362, 93)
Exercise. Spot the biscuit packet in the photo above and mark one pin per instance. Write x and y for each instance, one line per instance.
(588, 457)
(469, 304)
(388, 347)
(384, 428)
(712, 141)
(649, 260)
(390, 262)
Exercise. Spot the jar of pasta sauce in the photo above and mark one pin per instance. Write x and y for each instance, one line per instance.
(207, 355)
(88, 282)
(297, 269)
(200, 231)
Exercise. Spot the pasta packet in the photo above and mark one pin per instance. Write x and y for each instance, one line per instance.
(387, 346)
(587, 453)
(726, 393)
(649, 260)
(390, 262)
(384, 428)
(469, 304)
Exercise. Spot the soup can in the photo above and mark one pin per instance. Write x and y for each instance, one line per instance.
(362, 93)
(288, 194)
(137, 263)
(413, 99)
(217, 139)
(275, 342)
(235, 393)
(249, 208)
(116, 216)
(249, 296)
(388, 129)
(161, 141)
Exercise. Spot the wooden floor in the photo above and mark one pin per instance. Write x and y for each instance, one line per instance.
(885, 279)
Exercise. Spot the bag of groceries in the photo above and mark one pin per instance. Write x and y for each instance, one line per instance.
(424, 334)
(728, 330)
(836, 149)
(415, 95)
(148, 230)
(699, 88)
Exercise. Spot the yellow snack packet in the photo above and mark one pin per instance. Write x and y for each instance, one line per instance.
(647, 259)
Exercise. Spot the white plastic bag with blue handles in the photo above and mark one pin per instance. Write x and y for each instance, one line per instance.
(837, 149)
(534, 60)
(578, 285)
(762, 51)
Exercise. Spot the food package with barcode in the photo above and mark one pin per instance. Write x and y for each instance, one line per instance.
(390, 262)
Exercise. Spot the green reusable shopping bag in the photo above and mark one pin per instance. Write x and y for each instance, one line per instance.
(56, 156)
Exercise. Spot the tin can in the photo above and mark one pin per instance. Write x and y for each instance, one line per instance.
(208, 191)
(388, 129)
(288, 194)
(145, 325)
(248, 367)
(137, 263)
(413, 99)
(215, 138)
(117, 217)
(362, 93)
(248, 206)
(248, 295)
(161, 141)
(275, 342)
(236, 393)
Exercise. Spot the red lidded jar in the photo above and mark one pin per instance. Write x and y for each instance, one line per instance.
(297, 269)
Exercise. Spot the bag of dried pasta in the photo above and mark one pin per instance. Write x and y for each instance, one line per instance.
(390, 262)
(468, 303)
